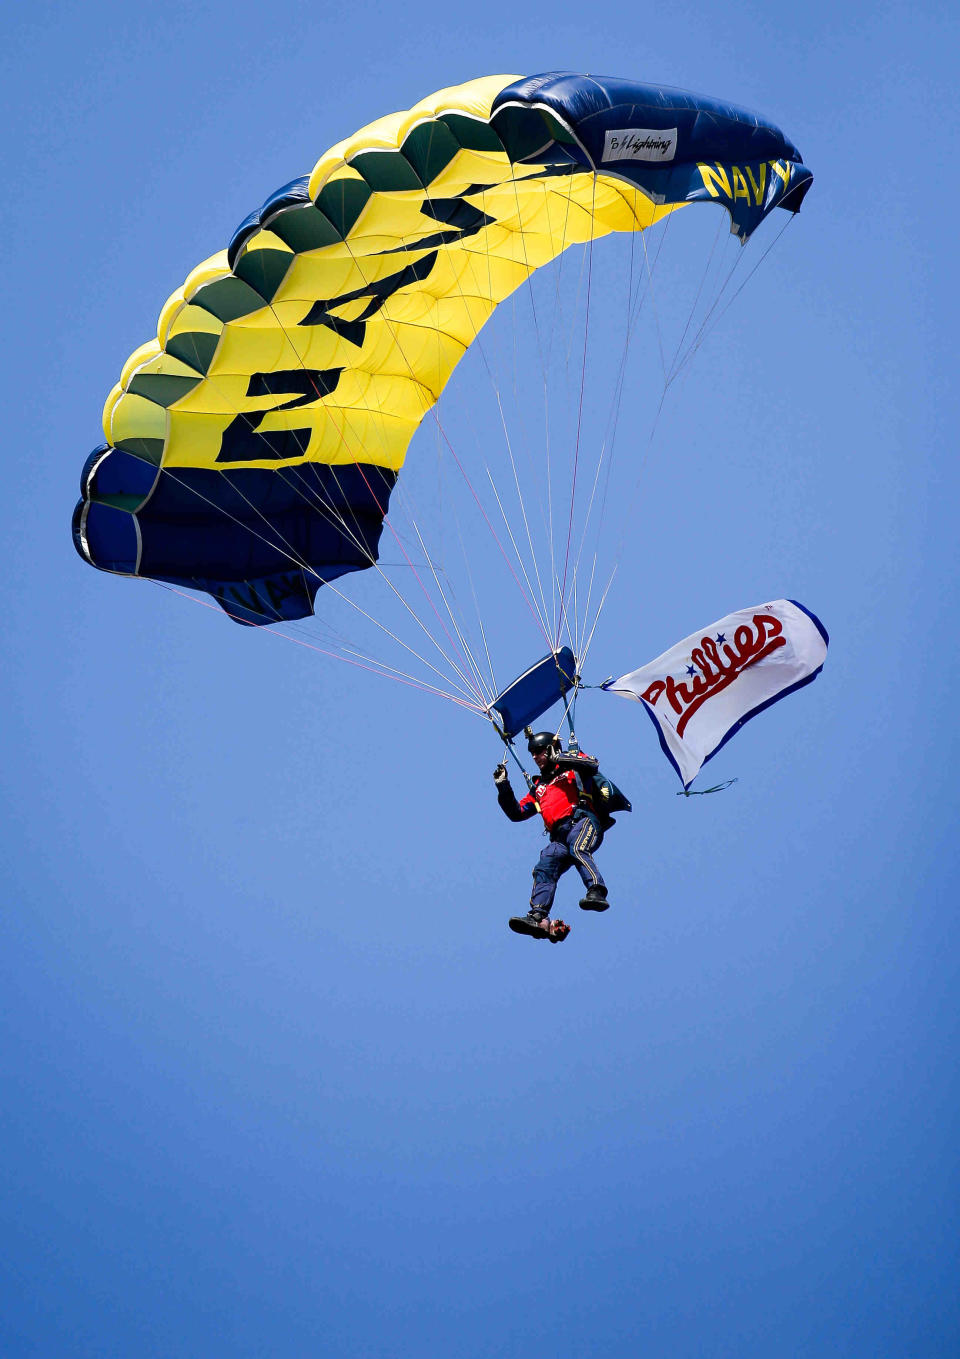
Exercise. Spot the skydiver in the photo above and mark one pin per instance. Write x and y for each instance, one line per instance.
(563, 797)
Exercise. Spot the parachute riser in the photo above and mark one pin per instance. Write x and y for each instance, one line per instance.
(568, 711)
(511, 750)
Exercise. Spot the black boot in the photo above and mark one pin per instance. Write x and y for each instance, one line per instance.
(595, 900)
(533, 923)
(538, 926)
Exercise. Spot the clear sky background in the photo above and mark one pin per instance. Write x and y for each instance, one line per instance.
(277, 1080)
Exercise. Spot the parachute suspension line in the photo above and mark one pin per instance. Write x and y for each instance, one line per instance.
(510, 451)
(603, 600)
(643, 284)
(559, 612)
(342, 522)
(507, 440)
(310, 571)
(293, 477)
(667, 378)
(388, 672)
(512, 457)
(573, 316)
(644, 290)
(439, 440)
(568, 711)
(458, 274)
(681, 363)
(544, 615)
(473, 590)
(510, 749)
(278, 540)
(713, 316)
(346, 647)
(674, 369)
(437, 568)
(588, 261)
(548, 614)
(654, 309)
(710, 321)
(546, 626)
(488, 694)
(407, 606)
(442, 431)
(446, 439)
(508, 443)
(468, 684)
(529, 598)
(558, 307)
(576, 453)
(531, 269)
(544, 357)
(515, 368)
(677, 367)
(506, 524)
(493, 687)
(559, 327)
(529, 602)
(609, 441)
(470, 662)
(574, 606)
(611, 434)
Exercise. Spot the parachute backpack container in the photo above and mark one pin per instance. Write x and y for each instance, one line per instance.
(537, 689)
(251, 450)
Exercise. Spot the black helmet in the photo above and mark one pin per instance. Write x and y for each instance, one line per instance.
(542, 740)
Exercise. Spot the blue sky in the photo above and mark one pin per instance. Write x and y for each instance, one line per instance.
(277, 1079)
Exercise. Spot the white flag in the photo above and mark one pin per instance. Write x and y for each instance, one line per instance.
(701, 691)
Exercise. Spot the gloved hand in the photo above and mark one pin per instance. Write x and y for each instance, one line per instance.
(500, 774)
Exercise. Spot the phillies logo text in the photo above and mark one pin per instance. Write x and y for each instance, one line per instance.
(717, 670)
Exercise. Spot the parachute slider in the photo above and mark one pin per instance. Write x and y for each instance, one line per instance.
(546, 682)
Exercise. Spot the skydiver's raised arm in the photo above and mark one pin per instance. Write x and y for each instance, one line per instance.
(512, 809)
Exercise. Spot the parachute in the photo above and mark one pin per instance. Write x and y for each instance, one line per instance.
(253, 447)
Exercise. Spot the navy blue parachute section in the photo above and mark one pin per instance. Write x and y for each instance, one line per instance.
(655, 138)
(235, 534)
